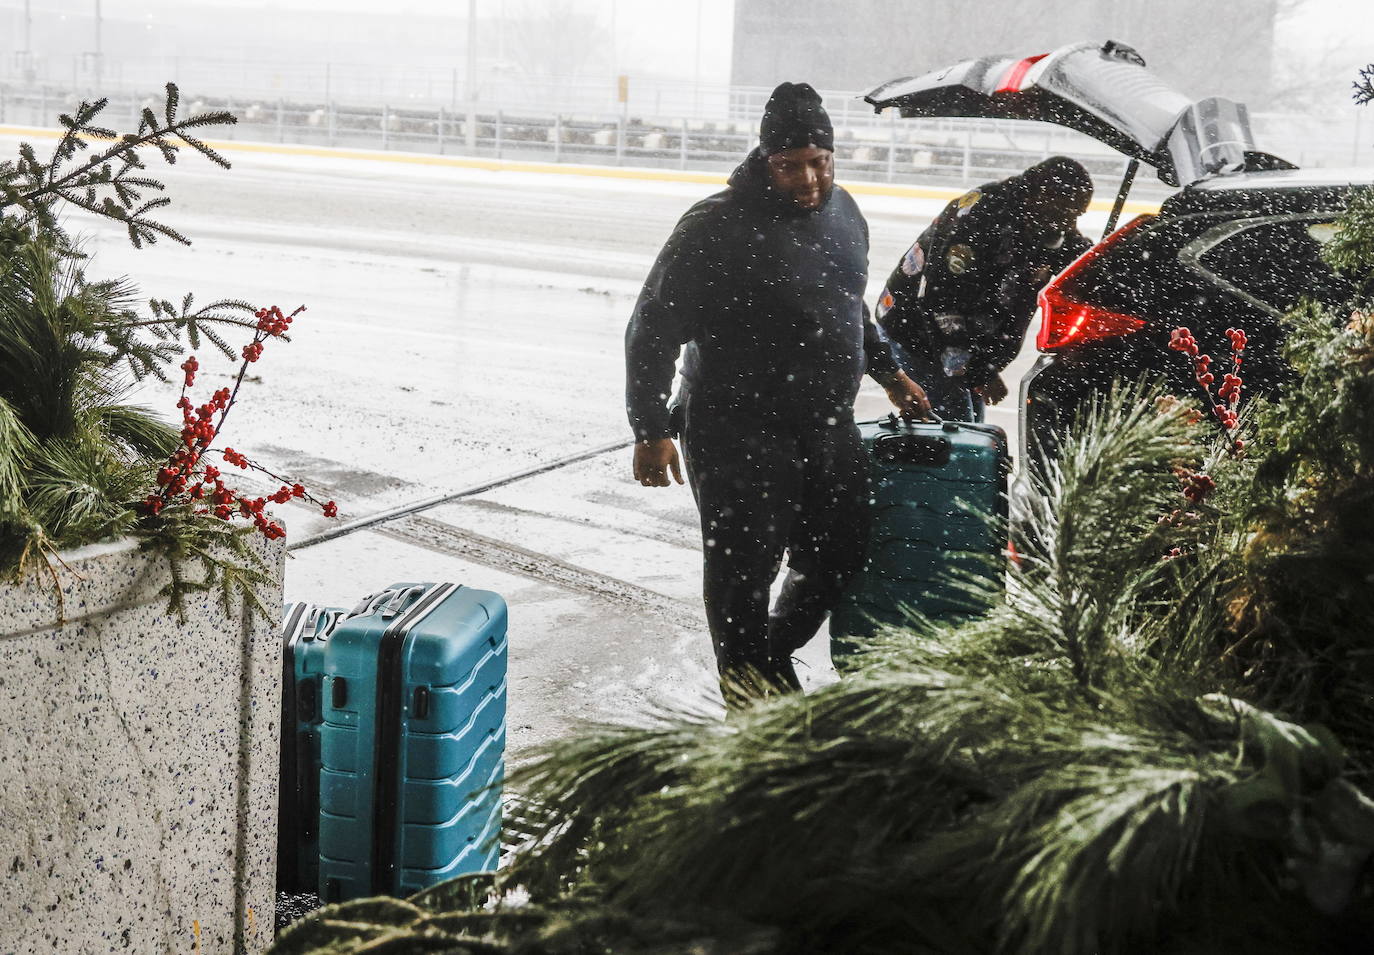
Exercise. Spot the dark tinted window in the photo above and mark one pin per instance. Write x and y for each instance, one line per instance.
(1277, 262)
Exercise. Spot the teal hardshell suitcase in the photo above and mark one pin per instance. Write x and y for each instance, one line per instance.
(413, 740)
(935, 484)
(305, 630)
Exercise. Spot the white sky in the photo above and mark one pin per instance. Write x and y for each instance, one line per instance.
(652, 36)
(662, 36)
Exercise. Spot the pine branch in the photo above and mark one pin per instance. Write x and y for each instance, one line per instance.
(228, 563)
(204, 149)
(224, 347)
(109, 182)
(168, 323)
(1364, 86)
(16, 445)
(1099, 506)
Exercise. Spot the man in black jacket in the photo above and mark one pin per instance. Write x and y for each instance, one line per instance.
(764, 283)
(958, 304)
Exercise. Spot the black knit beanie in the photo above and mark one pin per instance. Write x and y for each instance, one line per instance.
(1066, 176)
(794, 118)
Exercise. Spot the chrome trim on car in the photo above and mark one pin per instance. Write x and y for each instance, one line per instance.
(1023, 393)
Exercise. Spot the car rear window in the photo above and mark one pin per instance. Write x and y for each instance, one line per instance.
(1276, 261)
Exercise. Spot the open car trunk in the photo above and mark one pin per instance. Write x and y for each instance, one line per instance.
(1105, 91)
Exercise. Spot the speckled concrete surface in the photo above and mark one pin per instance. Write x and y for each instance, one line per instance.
(138, 755)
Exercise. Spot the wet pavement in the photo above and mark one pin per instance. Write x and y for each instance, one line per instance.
(464, 325)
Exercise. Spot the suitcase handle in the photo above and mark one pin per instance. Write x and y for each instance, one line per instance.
(369, 604)
(894, 423)
(321, 623)
(926, 450)
(387, 602)
(403, 599)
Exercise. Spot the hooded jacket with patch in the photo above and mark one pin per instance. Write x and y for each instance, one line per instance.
(767, 297)
(963, 295)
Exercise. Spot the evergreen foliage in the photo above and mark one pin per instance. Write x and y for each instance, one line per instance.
(74, 457)
(1303, 609)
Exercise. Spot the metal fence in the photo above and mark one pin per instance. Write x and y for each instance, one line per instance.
(882, 148)
(708, 130)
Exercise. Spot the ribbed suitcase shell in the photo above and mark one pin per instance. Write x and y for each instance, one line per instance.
(305, 630)
(413, 741)
(926, 477)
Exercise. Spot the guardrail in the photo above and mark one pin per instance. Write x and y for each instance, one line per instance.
(868, 146)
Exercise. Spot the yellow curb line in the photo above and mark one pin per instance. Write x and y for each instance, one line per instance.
(559, 169)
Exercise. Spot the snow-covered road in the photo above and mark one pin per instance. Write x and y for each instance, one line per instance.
(464, 324)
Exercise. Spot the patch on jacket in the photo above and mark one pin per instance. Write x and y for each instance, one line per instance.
(950, 324)
(959, 259)
(885, 303)
(967, 201)
(914, 260)
(954, 361)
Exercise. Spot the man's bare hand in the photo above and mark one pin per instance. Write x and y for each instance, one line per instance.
(653, 459)
(909, 397)
(992, 392)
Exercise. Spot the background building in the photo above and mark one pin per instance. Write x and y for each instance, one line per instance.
(1202, 48)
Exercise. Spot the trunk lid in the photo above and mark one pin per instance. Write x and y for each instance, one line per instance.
(1102, 90)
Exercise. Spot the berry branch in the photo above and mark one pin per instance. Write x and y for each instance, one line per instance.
(187, 480)
(1228, 392)
(1198, 486)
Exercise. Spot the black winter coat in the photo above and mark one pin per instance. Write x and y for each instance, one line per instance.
(963, 295)
(768, 299)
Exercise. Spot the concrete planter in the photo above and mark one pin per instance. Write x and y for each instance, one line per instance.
(138, 763)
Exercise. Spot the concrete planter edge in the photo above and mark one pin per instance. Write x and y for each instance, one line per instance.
(138, 754)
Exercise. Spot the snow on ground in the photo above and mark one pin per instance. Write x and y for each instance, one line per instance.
(464, 324)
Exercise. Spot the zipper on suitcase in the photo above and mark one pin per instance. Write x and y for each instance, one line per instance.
(290, 750)
(307, 788)
(386, 740)
(307, 697)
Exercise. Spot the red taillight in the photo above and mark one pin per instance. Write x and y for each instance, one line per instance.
(1068, 323)
(1065, 321)
(1016, 75)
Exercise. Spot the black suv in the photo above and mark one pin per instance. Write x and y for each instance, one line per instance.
(1236, 246)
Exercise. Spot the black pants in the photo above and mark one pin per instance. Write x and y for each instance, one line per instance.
(768, 484)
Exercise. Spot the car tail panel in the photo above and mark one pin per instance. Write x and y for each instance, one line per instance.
(1066, 320)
